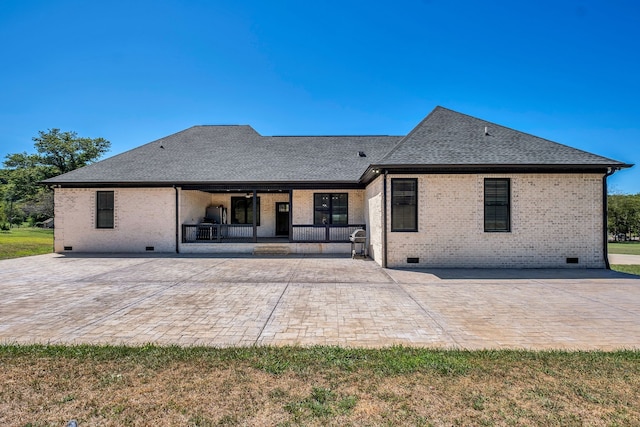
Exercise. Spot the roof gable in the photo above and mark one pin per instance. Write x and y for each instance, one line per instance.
(446, 137)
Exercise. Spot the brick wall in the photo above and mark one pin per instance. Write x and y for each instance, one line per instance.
(374, 215)
(553, 217)
(142, 218)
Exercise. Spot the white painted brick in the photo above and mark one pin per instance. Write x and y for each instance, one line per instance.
(142, 217)
(553, 216)
(374, 216)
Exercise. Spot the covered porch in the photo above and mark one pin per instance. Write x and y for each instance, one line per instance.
(288, 220)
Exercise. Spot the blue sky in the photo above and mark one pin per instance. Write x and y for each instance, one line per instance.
(134, 71)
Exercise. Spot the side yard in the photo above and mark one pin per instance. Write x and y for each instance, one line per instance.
(25, 241)
(625, 248)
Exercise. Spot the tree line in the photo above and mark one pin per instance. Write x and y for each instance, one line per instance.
(22, 196)
(623, 216)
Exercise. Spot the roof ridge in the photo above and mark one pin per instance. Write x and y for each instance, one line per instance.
(229, 126)
(415, 128)
(333, 136)
(220, 125)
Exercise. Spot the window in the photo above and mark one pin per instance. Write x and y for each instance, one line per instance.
(104, 209)
(242, 210)
(404, 204)
(331, 208)
(497, 216)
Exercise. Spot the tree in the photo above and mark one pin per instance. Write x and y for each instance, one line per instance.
(623, 213)
(57, 153)
(23, 174)
(66, 152)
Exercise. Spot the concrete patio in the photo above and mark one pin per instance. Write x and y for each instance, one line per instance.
(222, 301)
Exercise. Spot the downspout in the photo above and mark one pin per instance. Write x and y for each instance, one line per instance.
(605, 225)
(177, 222)
(384, 220)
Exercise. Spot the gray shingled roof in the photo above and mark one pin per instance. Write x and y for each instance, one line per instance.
(219, 154)
(446, 137)
(238, 154)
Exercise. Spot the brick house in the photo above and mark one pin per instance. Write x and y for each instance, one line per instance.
(457, 191)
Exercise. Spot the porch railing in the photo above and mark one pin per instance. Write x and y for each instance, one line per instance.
(302, 233)
(326, 233)
(192, 233)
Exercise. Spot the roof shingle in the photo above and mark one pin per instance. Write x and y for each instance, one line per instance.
(238, 154)
(446, 137)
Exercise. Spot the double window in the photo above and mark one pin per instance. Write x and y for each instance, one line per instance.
(104, 209)
(330, 208)
(404, 204)
(242, 210)
(497, 204)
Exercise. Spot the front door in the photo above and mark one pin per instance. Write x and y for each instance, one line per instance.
(282, 218)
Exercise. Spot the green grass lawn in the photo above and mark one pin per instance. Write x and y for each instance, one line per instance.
(626, 248)
(631, 269)
(25, 241)
(315, 386)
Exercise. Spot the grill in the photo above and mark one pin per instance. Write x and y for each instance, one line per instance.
(358, 236)
(358, 241)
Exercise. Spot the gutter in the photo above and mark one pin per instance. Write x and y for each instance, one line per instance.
(370, 174)
(605, 225)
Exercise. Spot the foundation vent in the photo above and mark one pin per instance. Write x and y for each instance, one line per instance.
(68, 248)
(413, 260)
(573, 260)
(150, 249)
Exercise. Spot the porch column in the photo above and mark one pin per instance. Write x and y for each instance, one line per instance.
(255, 216)
(290, 215)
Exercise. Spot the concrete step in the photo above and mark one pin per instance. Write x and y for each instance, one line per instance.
(271, 250)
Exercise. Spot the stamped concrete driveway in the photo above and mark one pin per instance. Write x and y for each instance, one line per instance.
(339, 301)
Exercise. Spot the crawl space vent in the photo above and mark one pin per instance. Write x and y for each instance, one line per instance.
(573, 260)
(413, 260)
(151, 248)
(68, 248)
